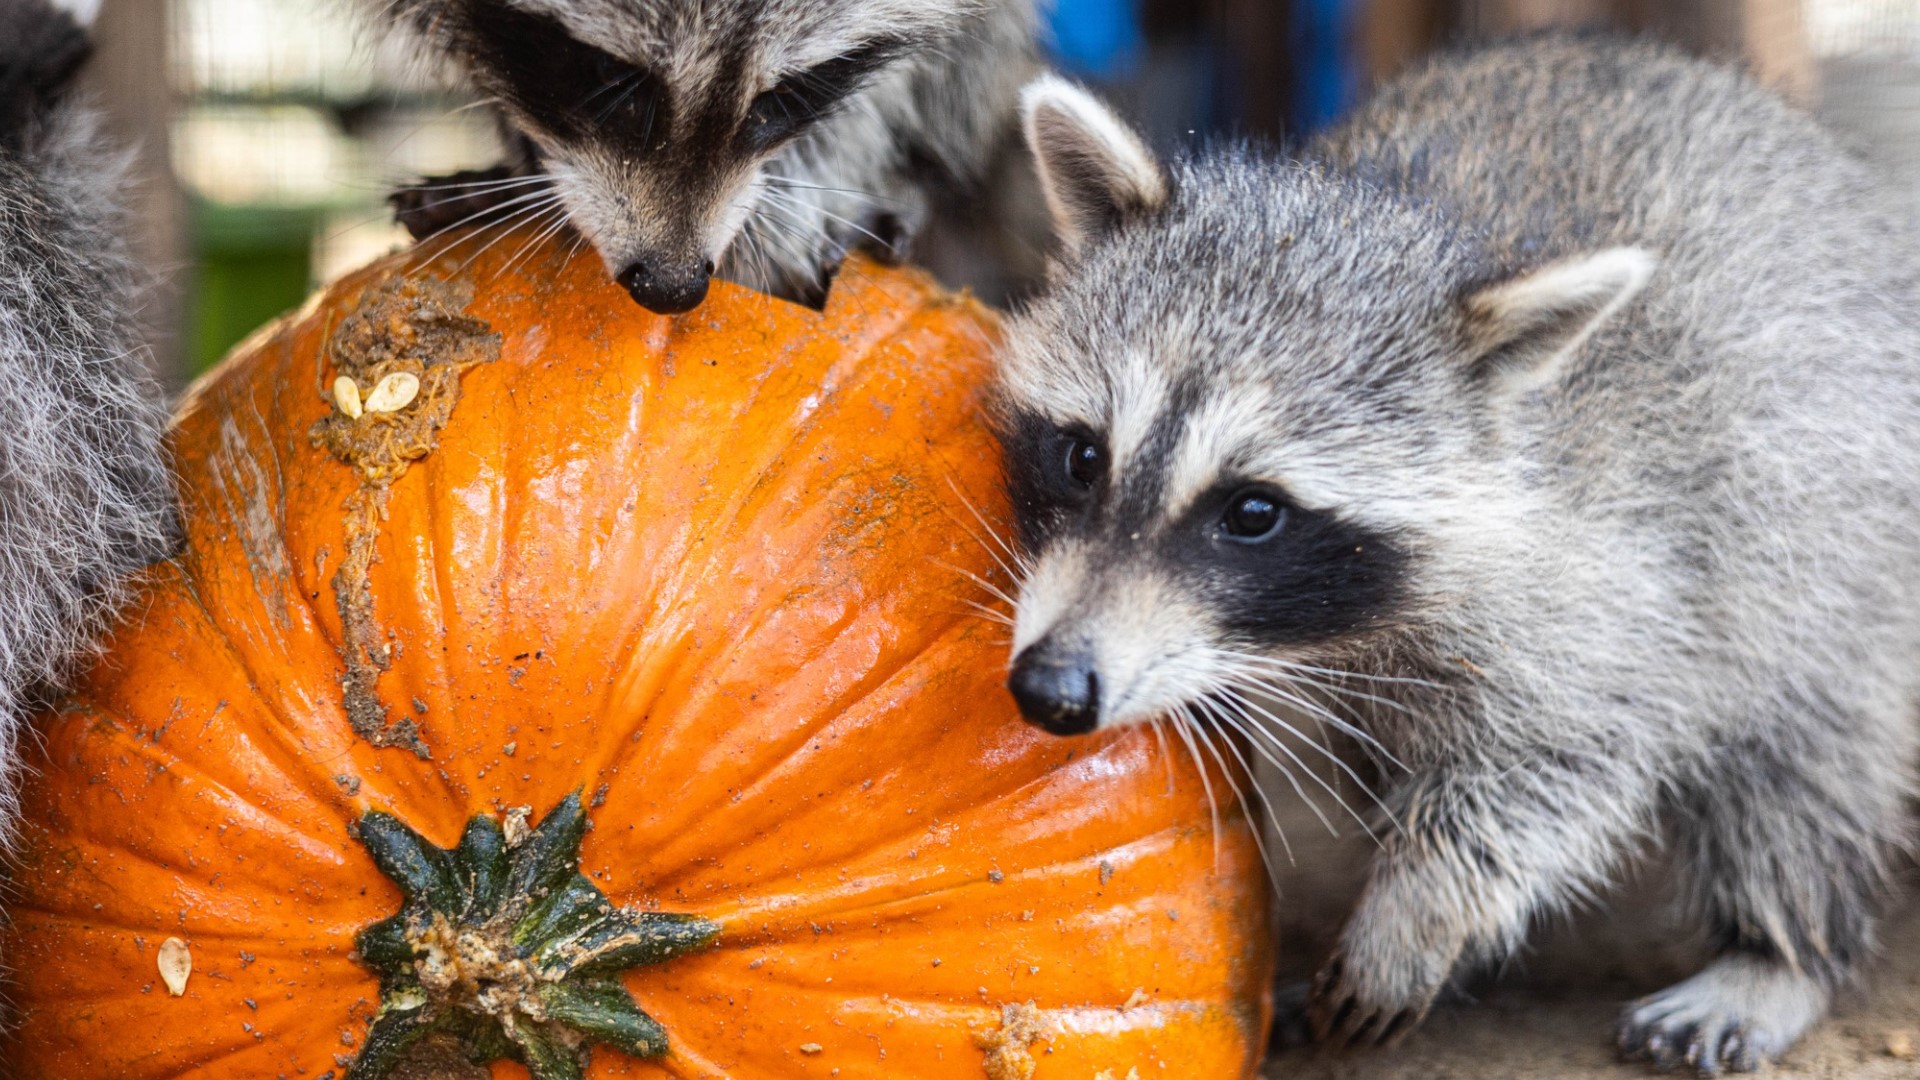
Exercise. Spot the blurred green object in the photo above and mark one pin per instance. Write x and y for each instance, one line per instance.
(251, 263)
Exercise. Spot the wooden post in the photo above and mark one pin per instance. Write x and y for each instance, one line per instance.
(1774, 38)
(130, 78)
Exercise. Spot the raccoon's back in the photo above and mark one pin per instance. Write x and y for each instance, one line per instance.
(1759, 395)
(1556, 144)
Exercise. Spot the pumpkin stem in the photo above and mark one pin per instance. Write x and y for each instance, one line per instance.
(502, 946)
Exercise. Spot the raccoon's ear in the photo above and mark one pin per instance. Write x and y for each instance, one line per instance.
(1095, 171)
(1523, 328)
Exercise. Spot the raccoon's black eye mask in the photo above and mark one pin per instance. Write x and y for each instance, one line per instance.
(1272, 570)
(1051, 471)
(566, 87)
(804, 97)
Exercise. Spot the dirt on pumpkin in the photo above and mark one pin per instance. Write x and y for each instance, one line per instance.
(413, 334)
(1007, 1056)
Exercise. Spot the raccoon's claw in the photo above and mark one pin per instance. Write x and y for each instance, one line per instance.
(1345, 1018)
(1292, 1017)
(1707, 1049)
(887, 237)
(471, 197)
(1735, 1016)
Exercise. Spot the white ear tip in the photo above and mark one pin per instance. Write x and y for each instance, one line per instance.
(1052, 92)
(1631, 265)
(83, 11)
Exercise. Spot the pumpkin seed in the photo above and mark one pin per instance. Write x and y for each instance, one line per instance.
(395, 392)
(176, 963)
(346, 394)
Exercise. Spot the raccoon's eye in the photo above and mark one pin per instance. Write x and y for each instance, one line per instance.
(1253, 516)
(774, 114)
(803, 97)
(1085, 463)
(611, 69)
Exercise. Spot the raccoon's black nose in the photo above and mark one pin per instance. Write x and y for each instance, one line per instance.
(1057, 694)
(666, 290)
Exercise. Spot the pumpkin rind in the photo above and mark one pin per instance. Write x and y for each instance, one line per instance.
(712, 572)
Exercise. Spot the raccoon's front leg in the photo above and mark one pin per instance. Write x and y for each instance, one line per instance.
(1482, 847)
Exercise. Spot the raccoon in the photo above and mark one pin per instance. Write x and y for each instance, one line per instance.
(84, 495)
(1555, 416)
(761, 139)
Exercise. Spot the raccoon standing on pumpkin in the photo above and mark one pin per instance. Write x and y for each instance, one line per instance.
(1557, 415)
(757, 139)
(84, 495)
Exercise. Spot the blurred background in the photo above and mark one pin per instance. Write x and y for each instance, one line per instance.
(269, 131)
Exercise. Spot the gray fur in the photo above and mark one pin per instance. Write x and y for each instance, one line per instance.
(921, 128)
(1656, 571)
(84, 496)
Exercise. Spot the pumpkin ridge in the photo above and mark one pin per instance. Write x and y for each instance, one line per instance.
(852, 360)
(248, 936)
(128, 740)
(927, 886)
(677, 866)
(318, 784)
(240, 495)
(296, 582)
(828, 714)
(440, 680)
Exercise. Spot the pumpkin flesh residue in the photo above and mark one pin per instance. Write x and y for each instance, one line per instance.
(1007, 1056)
(415, 326)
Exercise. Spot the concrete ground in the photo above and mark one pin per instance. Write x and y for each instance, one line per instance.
(1553, 1020)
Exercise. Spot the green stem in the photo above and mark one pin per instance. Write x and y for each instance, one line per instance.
(508, 950)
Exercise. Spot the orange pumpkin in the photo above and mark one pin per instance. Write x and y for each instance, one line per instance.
(586, 693)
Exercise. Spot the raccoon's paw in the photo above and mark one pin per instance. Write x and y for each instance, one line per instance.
(1350, 1008)
(1292, 1016)
(472, 197)
(1737, 1015)
(887, 236)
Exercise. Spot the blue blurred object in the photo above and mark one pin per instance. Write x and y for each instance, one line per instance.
(1100, 39)
(1330, 77)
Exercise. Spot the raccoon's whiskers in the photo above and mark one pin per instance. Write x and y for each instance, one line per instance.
(559, 222)
(1010, 561)
(991, 614)
(752, 251)
(1252, 723)
(994, 590)
(506, 227)
(1266, 805)
(1184, 725)
(386, 217)
(795, 204)
(1245, 670)
(1264, 720)
(795, 185)
(531, 202)
(1259, 739)
(1290, 665)
(473, 186)
(1166, 753)
(792, 230)
(773, 228)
